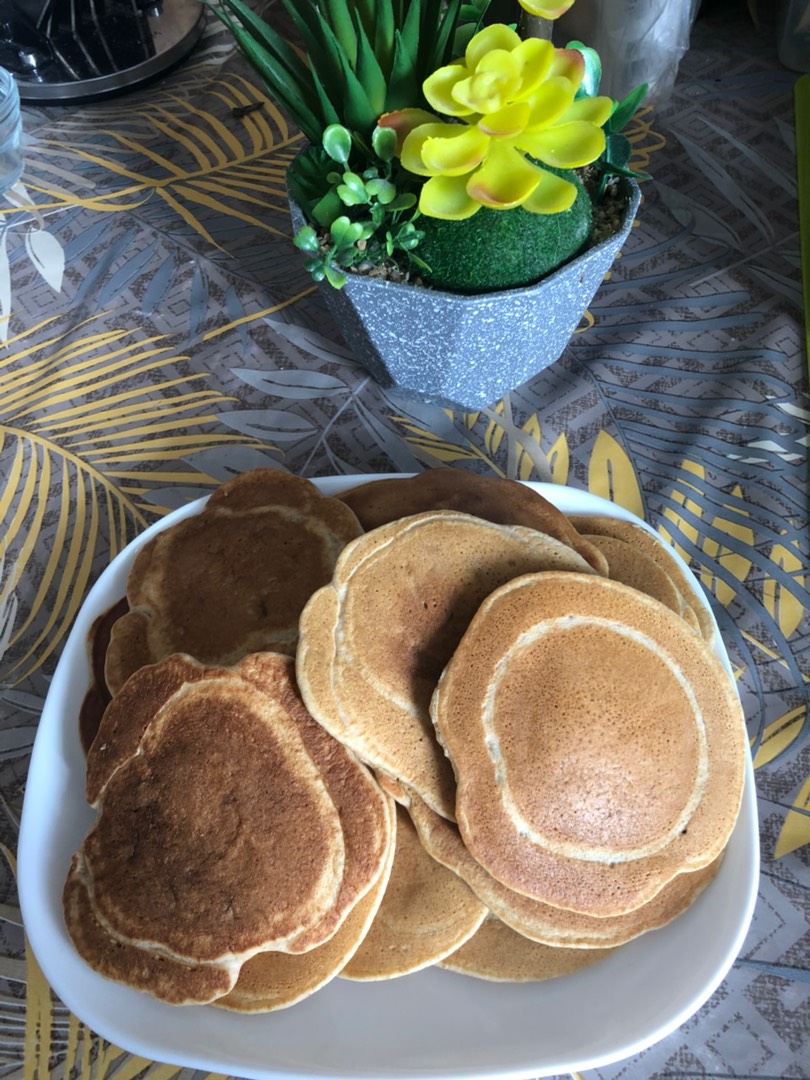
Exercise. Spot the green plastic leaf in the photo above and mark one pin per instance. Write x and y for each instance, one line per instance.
(404, 89)
(617, 150)
(355, 183)
(337, 142)
(335, 277)
(384, 143)
(403, 202)
(369, 72)
(345, 232)
(589, 86)
(325, 211)
(384, 27)
(383, 190)
(306, 239)
(339, 16)
(625, 110)
(287, 79)
(443, 50)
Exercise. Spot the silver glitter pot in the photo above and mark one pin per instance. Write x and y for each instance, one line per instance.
(462, 351)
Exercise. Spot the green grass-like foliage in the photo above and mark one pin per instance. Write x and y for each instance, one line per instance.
(363, 57)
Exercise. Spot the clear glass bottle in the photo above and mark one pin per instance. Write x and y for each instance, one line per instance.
(11, 161)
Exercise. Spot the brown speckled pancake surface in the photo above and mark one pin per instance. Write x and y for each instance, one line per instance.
(425, 914)
(233, 579)
(498, 953)
(163, 977)
(276, 980)
(374, 642)
(598, 743)
(542, 922)
(218, 837)
(494, 498)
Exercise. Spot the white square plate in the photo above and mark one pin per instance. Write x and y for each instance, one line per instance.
(431, 1024)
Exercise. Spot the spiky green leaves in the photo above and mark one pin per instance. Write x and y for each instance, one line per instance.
(363, 58)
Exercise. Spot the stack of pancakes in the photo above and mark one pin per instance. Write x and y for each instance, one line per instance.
(537, 695)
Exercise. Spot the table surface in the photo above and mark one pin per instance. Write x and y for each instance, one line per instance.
(159, 335)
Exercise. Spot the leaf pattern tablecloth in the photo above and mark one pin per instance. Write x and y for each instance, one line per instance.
(158, 335)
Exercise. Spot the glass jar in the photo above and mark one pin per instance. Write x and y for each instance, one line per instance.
(11, 162)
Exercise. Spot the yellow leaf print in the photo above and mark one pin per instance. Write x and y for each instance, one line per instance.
(525, 460)
(779, 735)
(559, 460)
(784, 605)
(724, 557)
(611, 475)
(795, 831)
(683, 526)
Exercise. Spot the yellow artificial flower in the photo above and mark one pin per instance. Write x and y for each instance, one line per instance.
(546, 9)
(508, 101)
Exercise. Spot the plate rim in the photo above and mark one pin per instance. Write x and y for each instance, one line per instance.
(40, 930)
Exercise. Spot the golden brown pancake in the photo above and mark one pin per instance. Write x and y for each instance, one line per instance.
(497, 953)
(127, 716)
(542, 922)
(163, 977)
(425, 914)
(218, 837)
(639, 570)
(494, 498)
(275, 980)
(366, 813)
(231, 580)
(599, 744)
(651, 544)
(374, 642)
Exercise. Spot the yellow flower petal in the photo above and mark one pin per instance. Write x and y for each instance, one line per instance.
(496, 36)
(505, 180)
(455, 150)
(438, 90)
(595, 110)
(446, 197)
(549, 102)
(535, 58)
(404, 121)
(569, 63)
(507, 122)
(565, 146)
(553, 195)
(411, 153)
(485, 91)
(546, 9)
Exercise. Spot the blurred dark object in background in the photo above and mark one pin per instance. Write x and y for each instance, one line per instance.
(81, 50)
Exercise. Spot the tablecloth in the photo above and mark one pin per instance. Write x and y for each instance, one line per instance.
(158, 335)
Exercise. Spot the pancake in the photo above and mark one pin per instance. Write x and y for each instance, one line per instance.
(128, 715)
(653, 545)
(366, 813)
(542, 922)
(275, 980)
(426, 913)
(497, 953)
(599, 744)
(231, 580)
(374, 642)
(163, 977)
(218, 837)
(494, 498)
(630, 566)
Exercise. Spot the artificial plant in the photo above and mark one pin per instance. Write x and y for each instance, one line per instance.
(438, 143)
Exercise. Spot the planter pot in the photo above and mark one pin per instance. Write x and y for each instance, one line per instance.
(468, 351)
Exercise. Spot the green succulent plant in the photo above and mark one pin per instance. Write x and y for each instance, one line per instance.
(362, 57)
(361, 218)
(614, 159)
